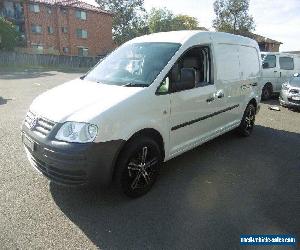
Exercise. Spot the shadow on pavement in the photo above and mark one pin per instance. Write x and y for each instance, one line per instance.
(24, 74)
(4, 101)
(20, 73)
(203, 199)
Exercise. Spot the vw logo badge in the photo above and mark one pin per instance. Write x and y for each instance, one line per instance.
(33, 123)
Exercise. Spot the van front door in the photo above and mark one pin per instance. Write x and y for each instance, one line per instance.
(271, 71)
(195, 112)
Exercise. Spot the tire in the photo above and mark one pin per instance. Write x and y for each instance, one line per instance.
(247, 124)
(267, 92)
(138, 166)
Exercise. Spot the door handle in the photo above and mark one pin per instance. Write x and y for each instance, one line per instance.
(275, 71)
(219, 94)
(254, 84)
(210, 99)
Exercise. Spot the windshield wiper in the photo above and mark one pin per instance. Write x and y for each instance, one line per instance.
(143, 85)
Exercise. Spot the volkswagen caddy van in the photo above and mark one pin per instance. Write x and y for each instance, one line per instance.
(150, 100)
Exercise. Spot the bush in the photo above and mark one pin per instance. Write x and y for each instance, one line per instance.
(9, 36)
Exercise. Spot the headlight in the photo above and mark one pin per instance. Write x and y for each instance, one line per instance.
(286, 86)
(77, 132)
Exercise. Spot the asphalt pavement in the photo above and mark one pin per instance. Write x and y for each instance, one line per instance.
(204, 199)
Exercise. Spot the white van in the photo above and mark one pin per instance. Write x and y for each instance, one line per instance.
(152, 99)
(278, 68)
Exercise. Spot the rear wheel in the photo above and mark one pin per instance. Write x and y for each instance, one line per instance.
(247, 123)
(267, 92)
(138, 166)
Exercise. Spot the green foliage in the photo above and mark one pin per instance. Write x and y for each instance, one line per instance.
(161, 20)
(129, 18)
(232, 16)
(9, 37)
(184, 22)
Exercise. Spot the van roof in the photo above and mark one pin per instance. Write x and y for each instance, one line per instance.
(189, 35)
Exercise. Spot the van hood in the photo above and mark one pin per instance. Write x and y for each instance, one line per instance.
(79, 100)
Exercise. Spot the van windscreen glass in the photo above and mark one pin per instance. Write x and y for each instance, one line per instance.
(136, 64)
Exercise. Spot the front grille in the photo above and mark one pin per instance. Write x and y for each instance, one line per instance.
(38, 124)
(294, 91)
(294, 101)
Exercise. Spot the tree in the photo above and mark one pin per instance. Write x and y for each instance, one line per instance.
(184, 22)
(161, 20)
(129, 18)
(9, 37)
(232, 16)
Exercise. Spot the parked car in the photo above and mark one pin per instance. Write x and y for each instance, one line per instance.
(290, 92)
(277, 69)
(152, 99)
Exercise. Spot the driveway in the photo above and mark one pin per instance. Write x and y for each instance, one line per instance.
(203, 199)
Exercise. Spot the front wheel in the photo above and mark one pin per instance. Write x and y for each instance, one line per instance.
(247, 123)
(138, 167)
(267, 92)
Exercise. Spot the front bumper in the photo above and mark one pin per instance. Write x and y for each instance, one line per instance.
(286, 99)
(72, 163)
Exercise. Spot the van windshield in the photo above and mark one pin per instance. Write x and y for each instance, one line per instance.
(136, 64)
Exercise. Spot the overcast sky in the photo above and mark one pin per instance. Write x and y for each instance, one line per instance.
(275, 19)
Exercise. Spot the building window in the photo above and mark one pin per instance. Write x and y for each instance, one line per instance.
(64, 11)
(50, 30)
(83, 51)
(49, 10)
(81, 14)
(36, 28)
(64, 29)
(82, 33)
(66, 50)
(34, 8)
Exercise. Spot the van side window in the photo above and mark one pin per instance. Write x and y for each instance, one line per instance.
(195, 60)
(269, 62)
(286, 63)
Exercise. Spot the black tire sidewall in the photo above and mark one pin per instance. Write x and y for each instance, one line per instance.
(242, 128)
(122, 164)
(267, 88)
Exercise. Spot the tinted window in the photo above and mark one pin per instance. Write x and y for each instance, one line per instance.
(286, 63)
(269, 61)
(134, 64)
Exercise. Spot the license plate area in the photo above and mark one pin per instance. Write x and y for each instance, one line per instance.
(29, 143)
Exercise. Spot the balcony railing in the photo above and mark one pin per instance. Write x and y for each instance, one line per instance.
(16, 15)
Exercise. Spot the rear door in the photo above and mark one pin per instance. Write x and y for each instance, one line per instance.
(228, 78)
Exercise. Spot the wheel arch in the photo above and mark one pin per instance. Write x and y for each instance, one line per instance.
(149, 132)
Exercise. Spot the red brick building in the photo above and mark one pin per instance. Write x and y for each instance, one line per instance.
(66, 27)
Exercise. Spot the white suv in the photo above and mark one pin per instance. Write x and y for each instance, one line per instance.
(152, 99)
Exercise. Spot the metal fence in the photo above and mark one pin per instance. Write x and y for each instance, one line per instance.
(16, 58)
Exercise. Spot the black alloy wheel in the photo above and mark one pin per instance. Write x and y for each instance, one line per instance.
(138, 166)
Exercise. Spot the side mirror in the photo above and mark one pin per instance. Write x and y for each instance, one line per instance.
(187, 79)
(296, 75)
(265, 65)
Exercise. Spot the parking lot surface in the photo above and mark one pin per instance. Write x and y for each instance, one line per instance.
(203, 199)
